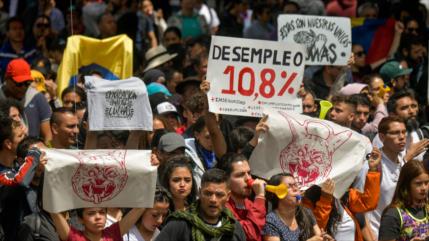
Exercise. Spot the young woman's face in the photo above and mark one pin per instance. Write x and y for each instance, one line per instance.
(180, 183)
(420, 187)
(94, 219)
(293, 191)
(153, 217)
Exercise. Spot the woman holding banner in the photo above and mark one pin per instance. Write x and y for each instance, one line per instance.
(407, 217)
(146, 228)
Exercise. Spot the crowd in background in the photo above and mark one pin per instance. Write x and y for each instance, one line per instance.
(205, 187)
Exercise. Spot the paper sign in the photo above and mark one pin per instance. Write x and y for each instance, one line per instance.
(327, 40)
(310, 149)
(118, 105)
(98, 178)
(247, 76)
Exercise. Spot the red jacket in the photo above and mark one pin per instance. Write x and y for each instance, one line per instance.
(252, 218)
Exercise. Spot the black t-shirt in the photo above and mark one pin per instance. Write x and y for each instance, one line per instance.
(390, 225)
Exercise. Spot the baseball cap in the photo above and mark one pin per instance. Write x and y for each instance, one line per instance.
(165, 107)
(154, 88)
(393, 69)
(19, 70)
(170, 142)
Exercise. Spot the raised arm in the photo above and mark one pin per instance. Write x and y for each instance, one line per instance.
(25, 173)
(130, 219)
(61, 225)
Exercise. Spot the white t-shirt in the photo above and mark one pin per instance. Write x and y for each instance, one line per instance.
(389, 178)
(134, 235)
(346, 227)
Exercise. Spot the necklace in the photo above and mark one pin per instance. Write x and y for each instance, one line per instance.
(293, 224)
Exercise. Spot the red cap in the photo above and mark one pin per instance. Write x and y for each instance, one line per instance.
(19, 70)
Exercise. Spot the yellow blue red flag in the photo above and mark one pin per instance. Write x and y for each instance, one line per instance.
(112, 57)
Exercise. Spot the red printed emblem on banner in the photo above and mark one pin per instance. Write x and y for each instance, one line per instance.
(100, 177)
(308, 156)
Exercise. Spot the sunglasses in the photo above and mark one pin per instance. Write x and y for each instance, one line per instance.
(360, 53)
(42, 25)
(23, 84)
(413, 30)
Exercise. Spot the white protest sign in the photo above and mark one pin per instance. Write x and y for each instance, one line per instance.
(327, 40)
(98, 178)
(248, 75)
(310, 149)
(118, 104)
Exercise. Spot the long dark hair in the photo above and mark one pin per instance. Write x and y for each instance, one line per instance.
(170, 166)
(302, 215)
(402, 197)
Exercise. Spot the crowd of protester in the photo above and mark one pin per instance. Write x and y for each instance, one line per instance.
(203, 190)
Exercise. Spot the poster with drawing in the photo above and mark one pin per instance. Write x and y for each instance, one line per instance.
(98, 178)
(118, 104)
(327, 40)
(310, 149)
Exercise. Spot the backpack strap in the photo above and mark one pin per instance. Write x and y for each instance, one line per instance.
(37, 224)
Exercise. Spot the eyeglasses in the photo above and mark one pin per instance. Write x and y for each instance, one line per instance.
(22, 84)
(42, 25)
(360, 53)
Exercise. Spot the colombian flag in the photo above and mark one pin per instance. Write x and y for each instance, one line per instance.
(113, 57)
(375, 35)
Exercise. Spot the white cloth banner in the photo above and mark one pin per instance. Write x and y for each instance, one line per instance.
(98, 178)
(118, 104)
(327, 40)
(310, 149)
(248, 75)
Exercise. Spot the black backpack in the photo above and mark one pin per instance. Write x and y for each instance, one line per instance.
(40, 226)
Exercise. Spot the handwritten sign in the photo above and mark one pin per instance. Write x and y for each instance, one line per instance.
(327, 40)
(310, 149)
(247, 76)
(98, 178)
(118, 105)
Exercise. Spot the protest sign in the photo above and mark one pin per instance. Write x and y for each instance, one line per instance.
(118, 105)
(310, 149)
(327, 40)
(98, 178)
(248, 75)
(112, 57)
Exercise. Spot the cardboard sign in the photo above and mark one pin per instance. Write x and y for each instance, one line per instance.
(118, 105)
(247, 76)
(98, 178)
(327, 40)
(310, 149)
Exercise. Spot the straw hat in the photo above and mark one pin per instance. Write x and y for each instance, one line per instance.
(157, 56)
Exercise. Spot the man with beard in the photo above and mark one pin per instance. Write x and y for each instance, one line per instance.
(250, 214)
(402, 104)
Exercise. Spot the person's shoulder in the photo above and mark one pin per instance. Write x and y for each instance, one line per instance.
(271, 217)
(177, 223)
